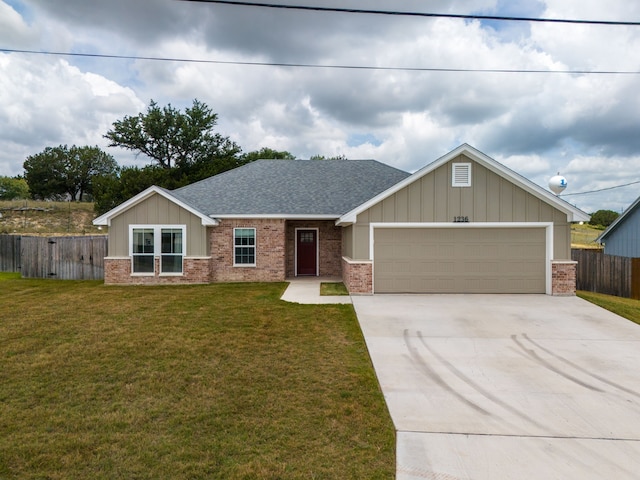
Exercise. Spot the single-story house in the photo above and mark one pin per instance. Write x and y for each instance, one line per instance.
(622, 237)
(462, 224)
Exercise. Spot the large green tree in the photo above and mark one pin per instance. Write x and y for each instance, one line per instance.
(603, 217)
(61, 171)
(13, 188)
(173, 139)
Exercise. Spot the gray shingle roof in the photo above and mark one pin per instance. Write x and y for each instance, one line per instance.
(291, 187)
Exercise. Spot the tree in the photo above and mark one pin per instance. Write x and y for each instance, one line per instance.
(176, 140)
(603, 217)
(13, 188)
(322, 157)
(60, 171)
(267, 153)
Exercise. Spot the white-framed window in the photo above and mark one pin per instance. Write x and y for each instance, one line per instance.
(148, 242)
(244, 247)
(460, 174)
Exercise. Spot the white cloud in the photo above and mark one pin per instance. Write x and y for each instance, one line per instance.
(537, 124)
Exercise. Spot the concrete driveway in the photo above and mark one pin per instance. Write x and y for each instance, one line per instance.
(506, 386)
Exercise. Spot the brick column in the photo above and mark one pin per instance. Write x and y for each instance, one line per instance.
(563, 277)
(357, 276)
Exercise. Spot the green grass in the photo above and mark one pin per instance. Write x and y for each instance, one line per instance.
(584, 236)
(212, 381)
(625, 307)
(333, 288)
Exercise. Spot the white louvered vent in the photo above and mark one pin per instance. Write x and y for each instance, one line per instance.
(461, 175)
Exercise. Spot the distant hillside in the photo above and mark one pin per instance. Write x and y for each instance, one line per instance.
(30, 217)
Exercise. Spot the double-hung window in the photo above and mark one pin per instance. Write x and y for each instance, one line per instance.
(149, 242)
(244, 247)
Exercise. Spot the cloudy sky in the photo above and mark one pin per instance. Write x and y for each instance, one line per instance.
(586, 126)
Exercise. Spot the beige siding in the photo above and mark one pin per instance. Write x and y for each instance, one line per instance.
(157, 210)
(491, 198)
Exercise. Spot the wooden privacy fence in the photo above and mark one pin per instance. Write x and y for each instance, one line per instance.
(64, 258)
(10, 253)
(608, 274)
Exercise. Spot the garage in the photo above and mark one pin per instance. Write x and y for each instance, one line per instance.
(460, 259)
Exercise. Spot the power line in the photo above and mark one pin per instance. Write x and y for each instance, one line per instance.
(419, 14)
(321, 66)
(599, 190)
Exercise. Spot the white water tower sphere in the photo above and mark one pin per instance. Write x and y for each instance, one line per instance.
(557, 184)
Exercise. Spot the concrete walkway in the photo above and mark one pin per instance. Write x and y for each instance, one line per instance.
(495, 387)
(307, 290)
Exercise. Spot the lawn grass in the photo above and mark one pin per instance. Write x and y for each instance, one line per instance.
(210, 381)
(333, 288)
(584, 236)
(625, 307)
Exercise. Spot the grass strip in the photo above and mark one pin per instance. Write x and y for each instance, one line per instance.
(625, 307)
(333, 289)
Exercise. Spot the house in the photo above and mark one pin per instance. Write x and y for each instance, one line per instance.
(622, 237)
(462, 224)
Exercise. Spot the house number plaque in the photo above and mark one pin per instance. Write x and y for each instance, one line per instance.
(461, 219)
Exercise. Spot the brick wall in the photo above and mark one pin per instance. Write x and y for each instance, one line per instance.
(118, 271)
(357, 276)
(270, 251)
(563, 277)
(329, 244)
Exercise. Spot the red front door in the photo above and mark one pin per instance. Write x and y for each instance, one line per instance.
(307, 248)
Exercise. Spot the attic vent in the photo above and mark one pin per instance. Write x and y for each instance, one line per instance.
(461, 175)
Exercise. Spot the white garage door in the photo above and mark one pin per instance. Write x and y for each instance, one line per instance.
(459, 260)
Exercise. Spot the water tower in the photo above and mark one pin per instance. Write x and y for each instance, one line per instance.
(557, 184)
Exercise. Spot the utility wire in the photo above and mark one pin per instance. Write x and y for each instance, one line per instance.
(321, 66)
(418, 14)
(599, 190)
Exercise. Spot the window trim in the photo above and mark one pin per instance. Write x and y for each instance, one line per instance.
(157, 249)
(254, 246)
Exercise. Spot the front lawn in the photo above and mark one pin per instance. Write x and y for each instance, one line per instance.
(213, 381)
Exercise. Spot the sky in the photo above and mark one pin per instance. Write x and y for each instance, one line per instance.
(585, 126)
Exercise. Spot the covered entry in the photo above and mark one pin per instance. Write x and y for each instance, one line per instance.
(470, 258)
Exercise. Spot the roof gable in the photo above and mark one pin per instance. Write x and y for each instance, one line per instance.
(573, 213)
(105, 219)
(624, 217)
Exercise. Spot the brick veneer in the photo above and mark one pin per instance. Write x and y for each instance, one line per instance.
(270, 251)
(357, 276)
(563, 277)
(118, 271)
(329, 242)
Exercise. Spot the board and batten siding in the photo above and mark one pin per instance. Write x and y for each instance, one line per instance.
(157, 210)
(491, 198)
(623, 241)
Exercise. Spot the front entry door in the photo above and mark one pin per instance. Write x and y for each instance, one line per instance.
(307, 248)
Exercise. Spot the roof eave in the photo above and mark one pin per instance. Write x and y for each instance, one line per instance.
(614, 225)
(281, 216)
(105, 219)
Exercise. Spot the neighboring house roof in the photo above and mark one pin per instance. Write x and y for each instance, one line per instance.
(573, 213)
(619, 221)
(105, 219)
(290, 188)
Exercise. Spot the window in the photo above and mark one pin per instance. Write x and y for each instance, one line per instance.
(171, 253)
(151, 241)
(244, 246)
(461, 175)
(143, 246)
